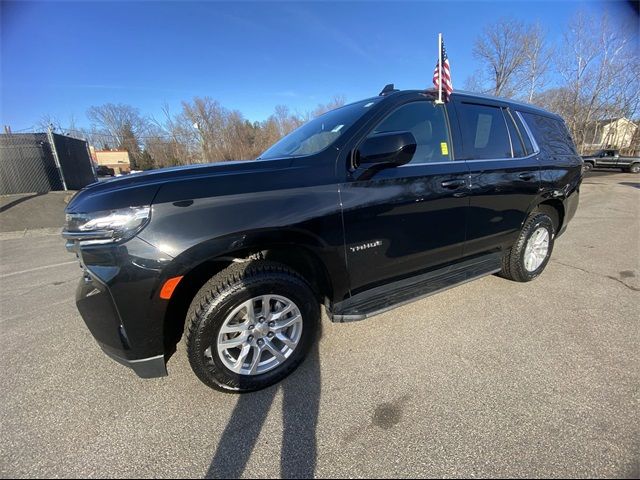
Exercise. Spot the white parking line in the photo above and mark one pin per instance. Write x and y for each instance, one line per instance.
(37, 268)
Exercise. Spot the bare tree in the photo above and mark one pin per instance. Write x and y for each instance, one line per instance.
(600, 71)
(336, 102)
(168, 144)
(286, 121)
(118, 120)
(502, 50)
(70, 128)
(474, 83)
(203, 131)
(124, 124)
(538, 57)
(48, 121)
(514, 60)
(212, 132)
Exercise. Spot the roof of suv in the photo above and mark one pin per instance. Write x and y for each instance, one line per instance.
(461, 93)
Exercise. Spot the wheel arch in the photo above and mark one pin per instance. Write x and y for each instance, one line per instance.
(300, 257)
(555, 209)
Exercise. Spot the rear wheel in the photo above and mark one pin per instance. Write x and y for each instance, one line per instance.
(528, 257)
(635, 168)
(250, 326)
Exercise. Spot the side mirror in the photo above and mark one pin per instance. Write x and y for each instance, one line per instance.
(387, 149)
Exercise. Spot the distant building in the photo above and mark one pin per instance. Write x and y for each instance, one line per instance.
(116, 159)
(613, 133)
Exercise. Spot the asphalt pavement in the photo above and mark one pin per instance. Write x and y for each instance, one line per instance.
(492, 378)
(32, 211)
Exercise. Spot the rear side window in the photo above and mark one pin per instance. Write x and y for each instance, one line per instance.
(484, 132)
(516, 138)
(551, 134)
(427, 122)
(525, 136)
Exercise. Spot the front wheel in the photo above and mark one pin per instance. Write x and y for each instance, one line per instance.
(528, 257)
(250, 326)
(587, 167)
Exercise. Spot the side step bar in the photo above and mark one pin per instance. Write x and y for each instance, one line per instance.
(386, 297)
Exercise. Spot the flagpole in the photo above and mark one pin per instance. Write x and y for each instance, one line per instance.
(439, 68)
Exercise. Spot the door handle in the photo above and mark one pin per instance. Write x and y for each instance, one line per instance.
(527, 176)
(452, 184)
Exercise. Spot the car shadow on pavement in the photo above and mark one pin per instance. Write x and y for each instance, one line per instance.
(630, 184)
(18, 201)
(300, 408)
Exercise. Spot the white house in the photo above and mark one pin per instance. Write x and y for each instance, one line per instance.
(613, 133)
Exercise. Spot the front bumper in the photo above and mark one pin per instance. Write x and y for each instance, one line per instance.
(152, 367)
(117, 300)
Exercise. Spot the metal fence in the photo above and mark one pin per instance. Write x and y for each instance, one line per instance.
(74, 160)
(40, 162)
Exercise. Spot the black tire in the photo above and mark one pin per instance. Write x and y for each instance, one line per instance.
(587, 166)
(634, 168)
(513, 264)
(220, 295)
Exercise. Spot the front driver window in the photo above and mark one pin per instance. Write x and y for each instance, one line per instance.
(426, 121)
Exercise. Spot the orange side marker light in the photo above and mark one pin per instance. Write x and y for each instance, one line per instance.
(169, 286)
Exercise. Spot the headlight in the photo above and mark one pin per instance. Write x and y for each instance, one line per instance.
(106, 226)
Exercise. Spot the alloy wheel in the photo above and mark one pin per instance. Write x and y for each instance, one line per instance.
(258, 335)
(537, 249)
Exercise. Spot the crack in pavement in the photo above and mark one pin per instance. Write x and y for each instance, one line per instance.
(611, 277)
(630, 287)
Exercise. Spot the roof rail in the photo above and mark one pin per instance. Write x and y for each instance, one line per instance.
(429, 92)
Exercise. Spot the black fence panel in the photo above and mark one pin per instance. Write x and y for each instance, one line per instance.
(75, 161)
(27, 164)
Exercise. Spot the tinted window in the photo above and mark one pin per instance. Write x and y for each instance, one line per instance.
(551, 134)
(516, 139)
(525, 136)
(426, 121)
(484, 132)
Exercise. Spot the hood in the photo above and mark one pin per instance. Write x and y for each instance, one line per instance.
(139, 189)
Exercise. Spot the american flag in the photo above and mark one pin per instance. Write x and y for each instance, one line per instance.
(447, 87)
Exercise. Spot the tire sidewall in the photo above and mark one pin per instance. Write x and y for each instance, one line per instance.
(212, 371)
(540, 220)
(635, 168)
(587, 167)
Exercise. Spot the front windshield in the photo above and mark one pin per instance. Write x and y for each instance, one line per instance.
(317, 134)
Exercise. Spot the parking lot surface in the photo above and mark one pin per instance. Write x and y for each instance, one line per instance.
(492, 378)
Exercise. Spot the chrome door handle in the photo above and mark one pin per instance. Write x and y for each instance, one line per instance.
(453, 184)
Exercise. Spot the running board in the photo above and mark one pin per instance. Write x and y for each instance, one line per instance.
(386, 297)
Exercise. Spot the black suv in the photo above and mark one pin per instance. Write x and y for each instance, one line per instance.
(362, 209)
(104, 171)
